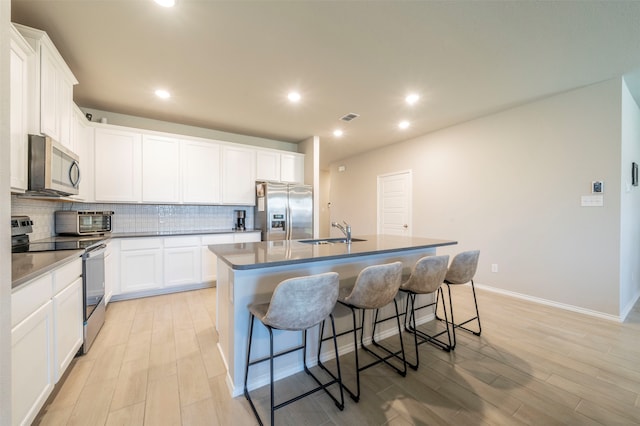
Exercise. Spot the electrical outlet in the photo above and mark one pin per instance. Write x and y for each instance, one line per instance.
(494, 267)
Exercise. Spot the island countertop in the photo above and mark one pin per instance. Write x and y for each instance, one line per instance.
(264, 254)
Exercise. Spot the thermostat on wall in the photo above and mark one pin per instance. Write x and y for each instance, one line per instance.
(597, 187)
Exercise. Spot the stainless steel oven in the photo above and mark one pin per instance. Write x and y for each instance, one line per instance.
(93, 288)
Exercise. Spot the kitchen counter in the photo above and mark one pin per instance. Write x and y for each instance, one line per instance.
(178, 233)
(280, 253)
(27, 266)
(249, 272)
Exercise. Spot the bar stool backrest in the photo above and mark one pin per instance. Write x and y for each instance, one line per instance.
(427, 275)
(463, 267)
(376, 286)
(302, 302)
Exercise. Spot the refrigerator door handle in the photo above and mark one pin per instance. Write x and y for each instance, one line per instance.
(287, 223)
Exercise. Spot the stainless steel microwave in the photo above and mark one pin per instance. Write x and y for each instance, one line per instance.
(74, 222)
(53, 169)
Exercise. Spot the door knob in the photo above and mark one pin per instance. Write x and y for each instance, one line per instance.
(405, 226)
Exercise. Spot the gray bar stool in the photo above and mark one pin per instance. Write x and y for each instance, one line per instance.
(426, 277)
(375, 287)
(461, 271)
(297, 304)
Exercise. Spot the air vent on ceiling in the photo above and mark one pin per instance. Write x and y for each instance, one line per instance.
(349, 117)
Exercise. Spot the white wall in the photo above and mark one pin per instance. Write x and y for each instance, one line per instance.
(5, 212)
(629, 204)
(510, 184)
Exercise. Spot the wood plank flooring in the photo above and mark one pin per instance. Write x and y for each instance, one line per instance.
(155, 362)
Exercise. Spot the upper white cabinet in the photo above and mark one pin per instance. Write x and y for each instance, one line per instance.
(200, 172)
(82, 137)
(117, 168)
(279, 166)
(238, 175)
(53, 83)
(160, 169)
(21, 54)
(292, 168)
(267, 165)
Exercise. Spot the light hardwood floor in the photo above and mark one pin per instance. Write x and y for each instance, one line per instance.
(155, 362)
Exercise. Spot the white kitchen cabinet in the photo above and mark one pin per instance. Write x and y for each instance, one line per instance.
(238, 175)
(117, 168)
(82, 136)
(292, 168)
(140, 264)
(68, 325)
(200, 172)
(210, 260)
(110, 271)
(246, 237)
(267, 165)
(160, 169)
(21, 54)
(182, 261)
(53, 82)
(32, 364)
(47, 331)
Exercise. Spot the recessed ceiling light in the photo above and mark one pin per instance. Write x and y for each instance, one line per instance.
(166, 3)
(163, 94)
(294, 96)
(412, 98)
(403, 124)
(337, 133)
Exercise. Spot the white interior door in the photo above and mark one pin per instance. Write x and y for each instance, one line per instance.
(394, 203)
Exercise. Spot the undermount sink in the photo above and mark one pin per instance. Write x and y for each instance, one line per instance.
(331, 241)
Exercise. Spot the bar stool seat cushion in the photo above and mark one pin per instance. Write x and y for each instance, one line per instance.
(463, 267)
(382, 286)
(299, 304)
(427, 275)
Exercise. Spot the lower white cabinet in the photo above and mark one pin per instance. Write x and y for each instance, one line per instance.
(32, 377)
(68, 330)
(181, 260)
(109, 271)
(140, 264)
(155, 265)
(46, 319)
(210, 260)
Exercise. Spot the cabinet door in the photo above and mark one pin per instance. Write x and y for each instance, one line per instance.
(82, 135)
(68, 327)
(49, 94)
(238, 175)
(19, 60)
(117, 165)
(200, 172)
(210, 260)
(292, 168)
(160, 169)
(109, 274)
(181, 266)
(65, 108)
(140, 264)
(32, 365)
(268, 165)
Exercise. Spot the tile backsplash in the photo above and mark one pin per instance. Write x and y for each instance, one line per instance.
(134, 217)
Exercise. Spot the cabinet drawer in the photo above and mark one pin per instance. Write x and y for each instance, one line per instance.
(246, 238)
(141, 244)
(66, 274)
(217, 239)
(191, 241)
(30, 297)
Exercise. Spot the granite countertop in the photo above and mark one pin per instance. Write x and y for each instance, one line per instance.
(264, 254)
(27, 266)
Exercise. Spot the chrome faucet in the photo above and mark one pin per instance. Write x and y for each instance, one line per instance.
(346, 229)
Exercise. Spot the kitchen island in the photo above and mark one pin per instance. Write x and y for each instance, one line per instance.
(249, 272)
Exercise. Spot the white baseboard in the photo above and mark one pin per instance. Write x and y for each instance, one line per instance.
(546, 302)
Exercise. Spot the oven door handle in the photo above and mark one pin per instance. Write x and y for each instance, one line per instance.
(95, 251)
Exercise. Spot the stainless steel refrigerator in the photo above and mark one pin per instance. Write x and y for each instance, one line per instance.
(284, 211)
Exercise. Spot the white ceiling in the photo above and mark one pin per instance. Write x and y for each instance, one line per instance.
(230, 64)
